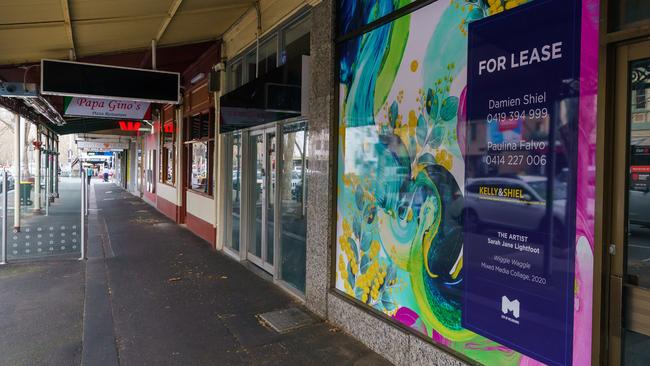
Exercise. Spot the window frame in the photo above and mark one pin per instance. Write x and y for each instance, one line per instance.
(209, 140)
(279, 33)
(282, 33)
(164, 163)
(237, 61)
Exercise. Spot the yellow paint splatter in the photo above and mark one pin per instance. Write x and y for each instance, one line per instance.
(414, 65)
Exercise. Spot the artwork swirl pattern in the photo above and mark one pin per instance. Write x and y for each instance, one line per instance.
(401, 168)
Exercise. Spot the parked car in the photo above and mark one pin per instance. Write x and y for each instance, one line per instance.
(639, 207)
(10, 182)
(528, 213)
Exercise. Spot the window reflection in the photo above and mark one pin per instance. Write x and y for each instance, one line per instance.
(268, 55)
(638, 246)
(168, 152)
(200, 132)
(294, 168)
(199, 166)
(296, 40)
(235, 209)
(632, 12)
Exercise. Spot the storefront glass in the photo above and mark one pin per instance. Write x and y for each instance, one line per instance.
(631, 13)
(268, 55)
(235, 191)
(296, 40)
(269, 207)
(200, 132)
(199, 176)
(168, 152)
(236, 75)
(636, 331)
(257, 195)
(486, 246)
(149, 171)
(294, 165)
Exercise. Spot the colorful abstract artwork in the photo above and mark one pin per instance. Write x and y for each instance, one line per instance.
(402, 133)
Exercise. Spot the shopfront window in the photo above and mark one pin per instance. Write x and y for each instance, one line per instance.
(632, 13)
(251, 66)
(289, 42)
(233, 219)
(149, 171)
(168, 153)
(293, 233)
(200, 149)
(465, 192)
(235, 75)
(632, 264)
(268, 55)
(296, 40)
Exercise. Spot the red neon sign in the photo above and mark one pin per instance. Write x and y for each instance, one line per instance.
(129, 126)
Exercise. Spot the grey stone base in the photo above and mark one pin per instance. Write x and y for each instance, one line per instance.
(391, 342)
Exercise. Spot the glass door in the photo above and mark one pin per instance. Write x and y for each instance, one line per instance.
(294, 163)
(629, 264)
(262, 183)
(234, 192)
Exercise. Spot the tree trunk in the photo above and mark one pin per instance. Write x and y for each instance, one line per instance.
(287, 164)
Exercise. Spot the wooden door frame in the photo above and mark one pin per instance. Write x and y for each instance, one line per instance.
(610, 39)
(615, 226)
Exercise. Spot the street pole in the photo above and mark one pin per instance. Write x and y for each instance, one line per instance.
(56, 168)
(17, 148)
(47, 185)
(83, 213)
(5, 193)
(37, 180)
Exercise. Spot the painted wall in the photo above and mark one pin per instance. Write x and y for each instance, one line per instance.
(201, 207)
(167, 192)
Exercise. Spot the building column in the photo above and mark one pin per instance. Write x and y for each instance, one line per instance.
(17, 148)
(321, 185)
(37, 178)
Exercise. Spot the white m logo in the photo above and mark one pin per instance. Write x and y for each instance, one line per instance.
(510, 306)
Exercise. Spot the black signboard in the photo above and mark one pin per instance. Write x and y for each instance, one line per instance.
(101, 81)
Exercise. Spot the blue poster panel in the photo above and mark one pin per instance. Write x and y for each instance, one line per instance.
(519, 222)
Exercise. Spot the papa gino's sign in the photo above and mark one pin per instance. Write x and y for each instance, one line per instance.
(106, 108)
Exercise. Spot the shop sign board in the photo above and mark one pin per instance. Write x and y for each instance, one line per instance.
(102, 145)
(520, 199)
(106, 108)
(80, 79)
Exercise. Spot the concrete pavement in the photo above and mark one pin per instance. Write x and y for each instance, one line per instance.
(155, 294)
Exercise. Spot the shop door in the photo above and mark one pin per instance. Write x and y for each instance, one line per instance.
(262, 186)
(629, 252)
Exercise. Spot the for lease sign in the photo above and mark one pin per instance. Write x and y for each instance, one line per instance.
(106, 108)
(521, 195)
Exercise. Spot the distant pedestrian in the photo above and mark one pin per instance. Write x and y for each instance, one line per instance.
(89, 173)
